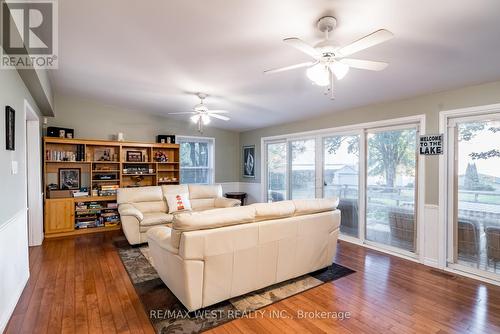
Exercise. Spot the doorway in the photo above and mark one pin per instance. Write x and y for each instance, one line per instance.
(474, 194)
(34, 196)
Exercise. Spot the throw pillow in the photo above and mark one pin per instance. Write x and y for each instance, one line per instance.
(178, 202)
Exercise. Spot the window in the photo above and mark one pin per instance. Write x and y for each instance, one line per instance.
(276, 171)
(303, 171)
(197, 159)
(372, 168)
(341, 178)
(474, 194)
(390, 187)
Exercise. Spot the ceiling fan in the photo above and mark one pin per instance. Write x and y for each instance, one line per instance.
(201, 114)
(329, 59)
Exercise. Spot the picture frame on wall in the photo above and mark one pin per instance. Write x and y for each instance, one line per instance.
(249, 161)
(10, 129)
(69, 178)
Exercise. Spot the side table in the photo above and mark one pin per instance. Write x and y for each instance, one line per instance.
(237, 195)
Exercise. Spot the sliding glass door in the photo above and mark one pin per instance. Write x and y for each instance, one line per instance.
(390, 187)
(373, 172)
(276, 171)
(341, 178)
(476, 190)
(303, 169)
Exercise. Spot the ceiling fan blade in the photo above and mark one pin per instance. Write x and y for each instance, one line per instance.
(364, 64)
(370, 40)
(224, 118)
(303, 46)
(182, 113)
(291, 67)
(218, 111)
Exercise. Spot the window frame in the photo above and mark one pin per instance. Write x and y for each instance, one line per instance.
(211, 156)
(448, 190)
(418, 121)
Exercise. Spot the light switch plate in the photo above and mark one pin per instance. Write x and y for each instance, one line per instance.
(14, 168)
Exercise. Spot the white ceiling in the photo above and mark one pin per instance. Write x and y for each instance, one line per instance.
(150, 55)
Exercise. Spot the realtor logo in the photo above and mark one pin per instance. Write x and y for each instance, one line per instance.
(29, 34)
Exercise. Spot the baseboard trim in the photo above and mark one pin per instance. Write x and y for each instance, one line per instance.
(18, 290)
(12, 306)
(431, 262)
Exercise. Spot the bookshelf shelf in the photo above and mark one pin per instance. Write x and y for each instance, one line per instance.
(92, 158)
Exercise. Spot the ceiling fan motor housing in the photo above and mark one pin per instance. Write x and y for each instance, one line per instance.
(327, 24)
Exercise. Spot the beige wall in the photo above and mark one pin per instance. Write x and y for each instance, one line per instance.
(13, 92)
(94, 120)
(430, 105)
(14, 265)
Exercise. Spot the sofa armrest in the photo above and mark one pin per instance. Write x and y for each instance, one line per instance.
(223, 202)
(161, 237)
(130, 210)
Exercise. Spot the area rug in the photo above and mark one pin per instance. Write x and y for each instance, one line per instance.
(168, 315)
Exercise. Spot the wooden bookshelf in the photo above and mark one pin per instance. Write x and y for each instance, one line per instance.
(102, 165)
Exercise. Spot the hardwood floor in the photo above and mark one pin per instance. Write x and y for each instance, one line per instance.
(79, 285)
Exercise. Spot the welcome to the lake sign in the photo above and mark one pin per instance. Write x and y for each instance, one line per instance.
(431, 144)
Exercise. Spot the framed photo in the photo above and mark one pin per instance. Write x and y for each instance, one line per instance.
(69, 178)
(249, 161)
(134, 156)
(102, 154)
(10, 129)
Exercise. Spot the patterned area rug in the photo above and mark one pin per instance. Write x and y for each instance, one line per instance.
(168, 315)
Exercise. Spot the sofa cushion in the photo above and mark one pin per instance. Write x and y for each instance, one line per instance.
(276, 210)
(178, 202)
(202, 204)
(161, 236)
(141, 194)
(190, 221)
(130, 210)
(156, 218)
(155, 206)
(197, 191)
(309, 206)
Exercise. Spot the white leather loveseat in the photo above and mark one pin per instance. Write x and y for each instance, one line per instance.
(207, 257)
(146, 207)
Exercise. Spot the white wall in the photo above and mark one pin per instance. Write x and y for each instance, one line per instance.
(14, 269)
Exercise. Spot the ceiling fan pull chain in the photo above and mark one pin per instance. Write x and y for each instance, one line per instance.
(332, 87)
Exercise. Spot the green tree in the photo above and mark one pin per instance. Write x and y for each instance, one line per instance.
(471, 180)
(387, 152)
(467, 131)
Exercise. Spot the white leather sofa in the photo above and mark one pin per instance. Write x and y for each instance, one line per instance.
(207, 257)
(145, 207)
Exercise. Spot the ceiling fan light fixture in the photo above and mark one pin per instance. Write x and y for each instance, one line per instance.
(205, 119)
(340, 70)
(195, 118)
(319, 74)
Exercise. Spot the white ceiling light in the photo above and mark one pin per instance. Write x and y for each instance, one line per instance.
(319, 74)
(328, 57)
(205, 119)
(202, 115)
(340, 70)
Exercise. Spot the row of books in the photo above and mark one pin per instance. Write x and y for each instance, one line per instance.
(54, 155)
(96, 214)
(108, 190)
